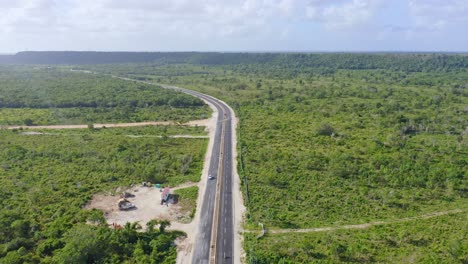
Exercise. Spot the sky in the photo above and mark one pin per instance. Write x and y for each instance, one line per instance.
(234, 25)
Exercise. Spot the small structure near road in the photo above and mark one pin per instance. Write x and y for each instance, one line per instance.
(165, 195)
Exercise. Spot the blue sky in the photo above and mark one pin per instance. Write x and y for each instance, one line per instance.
(234, 25)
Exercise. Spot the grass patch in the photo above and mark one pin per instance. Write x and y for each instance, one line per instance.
(188, 200)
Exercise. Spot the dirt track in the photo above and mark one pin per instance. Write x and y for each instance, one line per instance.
(202, 122)
(362, 226)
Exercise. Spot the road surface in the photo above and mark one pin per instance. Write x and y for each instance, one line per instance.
(219, 249)
(215, 236)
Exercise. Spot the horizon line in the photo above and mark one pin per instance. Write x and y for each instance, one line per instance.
(241, 51)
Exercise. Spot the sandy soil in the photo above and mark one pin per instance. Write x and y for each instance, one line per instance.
(203, 122)
(35, 133)
(238, 203)
(148, 207)
(174, 136)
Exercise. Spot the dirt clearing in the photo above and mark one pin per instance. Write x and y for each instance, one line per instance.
(147, 201)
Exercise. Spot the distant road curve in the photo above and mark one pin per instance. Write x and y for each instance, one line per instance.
(219, 214)
(215, 241)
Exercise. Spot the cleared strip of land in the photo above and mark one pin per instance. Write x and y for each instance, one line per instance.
(202, 122)
(361, 226)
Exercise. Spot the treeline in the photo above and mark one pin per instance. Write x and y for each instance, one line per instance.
(96, 243)
(411, 62)
(46, 88)
(90, 57)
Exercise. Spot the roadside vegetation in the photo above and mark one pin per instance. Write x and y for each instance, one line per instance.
(188, 200)
(49, 96)
(47, 176)
(46, 179)
(325, 140)
(329, 140)
(437, 240)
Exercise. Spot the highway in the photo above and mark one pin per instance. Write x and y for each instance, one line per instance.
(214, 240)
(215, 236)
(225, 232)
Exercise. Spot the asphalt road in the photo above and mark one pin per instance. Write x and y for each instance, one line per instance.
(220, 156)
(224, 248)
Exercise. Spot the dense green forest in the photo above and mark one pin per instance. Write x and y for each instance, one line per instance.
(325, 140)
(294, 62)
(44, 96)
(48, 176)
(339, 139)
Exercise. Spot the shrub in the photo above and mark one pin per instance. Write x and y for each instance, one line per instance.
(325, 130)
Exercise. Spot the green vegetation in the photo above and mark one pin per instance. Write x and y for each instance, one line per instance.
(46, 179)
(437, 240)
(188, 200)
(45, 96)
(339, 139)
(137, 131)
(324, 140)
(262, 62)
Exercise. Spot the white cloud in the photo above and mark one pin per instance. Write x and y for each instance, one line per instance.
(229, 21)
(435, 15)
(430, 21)
(213, 16)
(342, 14)
(350, 14)
(28, 16)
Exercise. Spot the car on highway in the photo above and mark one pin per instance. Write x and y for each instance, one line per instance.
(211, 177)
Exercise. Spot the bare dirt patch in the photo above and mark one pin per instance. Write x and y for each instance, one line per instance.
(148, 207)
(203, 122)
(238, 201)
